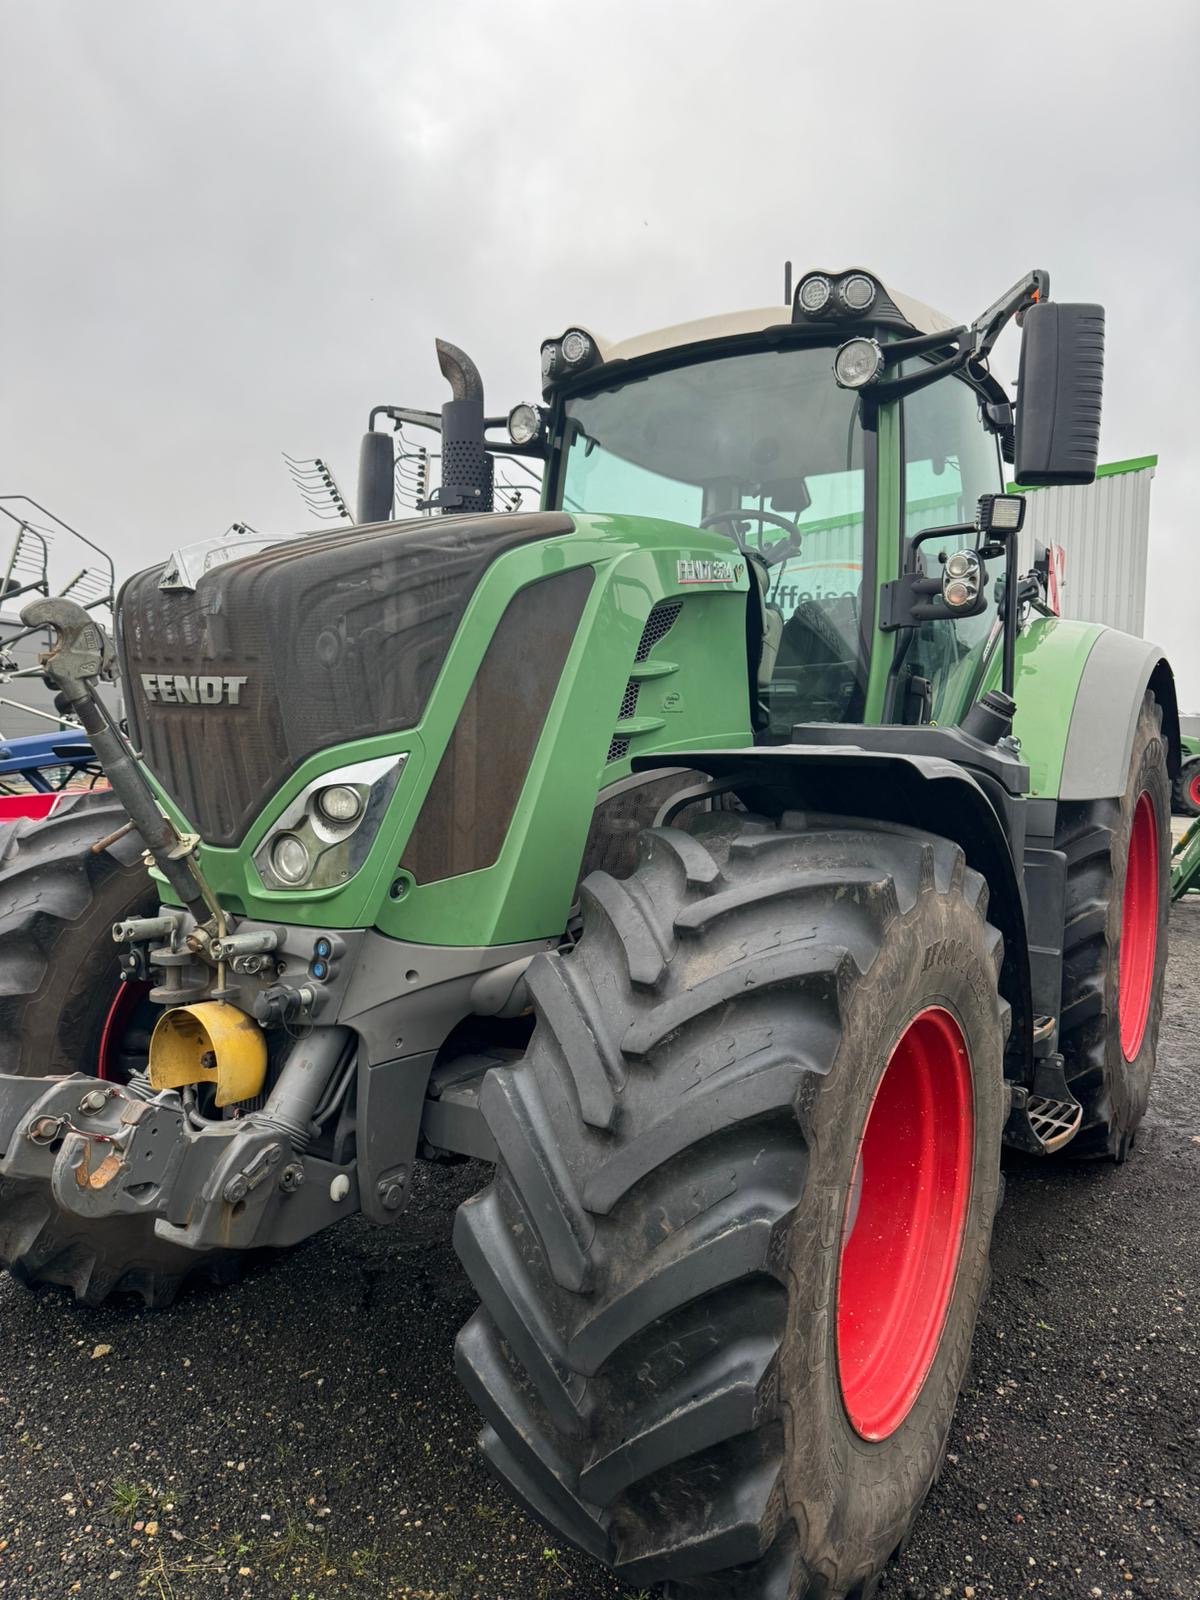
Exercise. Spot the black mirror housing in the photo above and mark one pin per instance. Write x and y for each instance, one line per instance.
(1059, 393)
(376, 485)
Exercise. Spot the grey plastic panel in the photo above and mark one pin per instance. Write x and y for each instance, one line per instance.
(1110, 694)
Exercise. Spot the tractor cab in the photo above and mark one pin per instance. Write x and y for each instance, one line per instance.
(827, 440)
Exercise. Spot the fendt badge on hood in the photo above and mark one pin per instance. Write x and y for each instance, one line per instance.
(180, 689)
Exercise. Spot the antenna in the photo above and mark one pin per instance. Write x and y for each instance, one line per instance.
(787, 283)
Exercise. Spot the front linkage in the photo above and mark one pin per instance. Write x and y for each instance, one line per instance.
(139, 1149)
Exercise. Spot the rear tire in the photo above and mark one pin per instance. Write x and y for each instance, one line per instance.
(1185, 792)
(1108, 1038)
(671, 1347)
(58, 982)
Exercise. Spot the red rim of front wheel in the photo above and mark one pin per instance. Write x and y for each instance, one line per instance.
(1139, 928)
(1193, 789)
(903, 1227)
(121, 1013)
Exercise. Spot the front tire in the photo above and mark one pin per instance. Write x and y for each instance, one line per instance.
(763, 1092)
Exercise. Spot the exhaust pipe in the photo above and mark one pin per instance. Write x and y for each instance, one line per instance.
(466, 465)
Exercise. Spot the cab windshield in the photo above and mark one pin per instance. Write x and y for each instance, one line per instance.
(769, 432)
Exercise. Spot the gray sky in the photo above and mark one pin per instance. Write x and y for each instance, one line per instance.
(229, 229)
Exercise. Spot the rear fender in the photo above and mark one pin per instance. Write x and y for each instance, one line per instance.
(925, 792)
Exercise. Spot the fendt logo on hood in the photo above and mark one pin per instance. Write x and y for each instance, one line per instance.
(180, 689)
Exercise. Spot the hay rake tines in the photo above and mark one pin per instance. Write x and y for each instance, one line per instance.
(318, 488)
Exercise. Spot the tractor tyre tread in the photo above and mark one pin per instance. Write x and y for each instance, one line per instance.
(651, 1186)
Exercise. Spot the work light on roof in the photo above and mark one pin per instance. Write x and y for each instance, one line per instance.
(814, 293)
(858, 363)
(856, 292)
(576, 347)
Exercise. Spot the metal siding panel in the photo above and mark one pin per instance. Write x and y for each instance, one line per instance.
(1105, 530)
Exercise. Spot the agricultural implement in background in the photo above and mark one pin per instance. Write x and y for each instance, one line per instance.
(734, 851)
(1186, 789)
(37, 768)
(1185, 863)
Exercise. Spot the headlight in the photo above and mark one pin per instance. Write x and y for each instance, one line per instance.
(962, 576)
(290, 859)
(813, 293)
(340, 803)
(856, 292)
(576, 347)
(524, 423)
(325, 834)
(857, 363)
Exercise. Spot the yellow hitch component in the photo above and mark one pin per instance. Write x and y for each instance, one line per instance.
(209, 1043)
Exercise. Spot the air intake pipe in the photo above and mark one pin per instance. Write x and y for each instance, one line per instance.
(466, 465)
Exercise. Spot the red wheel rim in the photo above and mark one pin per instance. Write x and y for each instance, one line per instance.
(125, 1003)
(1194, 789)
(903, 1228)
(1139, 928)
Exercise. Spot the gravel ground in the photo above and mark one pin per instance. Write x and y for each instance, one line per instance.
(302, 1436)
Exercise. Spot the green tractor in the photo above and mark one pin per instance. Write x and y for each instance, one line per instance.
(736, 852)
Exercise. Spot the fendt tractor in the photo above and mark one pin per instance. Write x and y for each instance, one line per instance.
(735, 852)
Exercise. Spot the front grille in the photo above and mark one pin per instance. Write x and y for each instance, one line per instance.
(618, 749)
(629, 700)
(334, 638)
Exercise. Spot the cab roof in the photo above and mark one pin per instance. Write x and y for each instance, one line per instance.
(730, 324)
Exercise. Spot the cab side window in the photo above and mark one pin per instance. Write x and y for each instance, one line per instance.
(949, 461)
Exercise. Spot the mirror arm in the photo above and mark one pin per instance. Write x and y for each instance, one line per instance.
(892, 388)
(986, 329)
(401, 414)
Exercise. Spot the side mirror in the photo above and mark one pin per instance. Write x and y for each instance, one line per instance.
(1059, 393)
(376, 484)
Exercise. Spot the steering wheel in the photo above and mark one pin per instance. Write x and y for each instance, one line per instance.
(781, 552)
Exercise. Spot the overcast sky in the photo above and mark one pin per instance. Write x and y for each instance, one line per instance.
(229, 229)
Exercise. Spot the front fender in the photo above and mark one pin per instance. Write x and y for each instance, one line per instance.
(1079, 687)
(918, 791)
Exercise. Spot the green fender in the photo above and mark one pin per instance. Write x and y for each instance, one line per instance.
(1079, 687)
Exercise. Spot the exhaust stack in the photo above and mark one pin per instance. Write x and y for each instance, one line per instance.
(466, 465)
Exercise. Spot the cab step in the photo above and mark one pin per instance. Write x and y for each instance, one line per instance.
(1045, 1116)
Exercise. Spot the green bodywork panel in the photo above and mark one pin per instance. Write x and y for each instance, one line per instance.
(1189, 746)
(694, 694)
(1051, 653)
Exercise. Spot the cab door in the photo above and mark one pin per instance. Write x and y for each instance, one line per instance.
(949, 460)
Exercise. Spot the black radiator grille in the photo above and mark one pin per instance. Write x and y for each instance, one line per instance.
(659, 623)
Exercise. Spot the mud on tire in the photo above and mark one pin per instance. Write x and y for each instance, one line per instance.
(58, 979)
(656, 1355)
